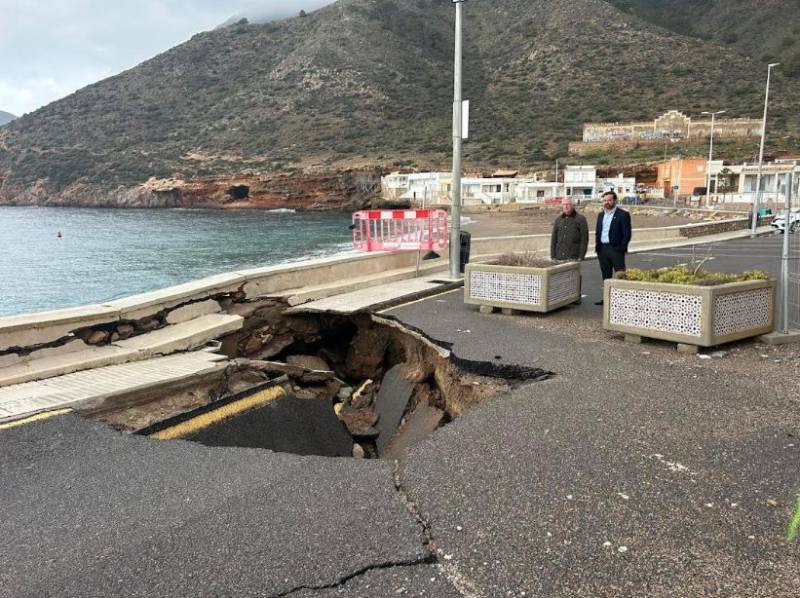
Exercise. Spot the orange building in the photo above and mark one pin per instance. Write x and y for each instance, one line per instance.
(685, 173)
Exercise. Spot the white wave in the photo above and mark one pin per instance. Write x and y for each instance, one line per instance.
(282, 211)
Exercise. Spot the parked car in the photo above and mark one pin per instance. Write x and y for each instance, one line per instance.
(779, 222)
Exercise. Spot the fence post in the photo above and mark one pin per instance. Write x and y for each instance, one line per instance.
(785, 258)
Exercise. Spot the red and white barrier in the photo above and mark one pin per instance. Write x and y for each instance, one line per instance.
(400, 230)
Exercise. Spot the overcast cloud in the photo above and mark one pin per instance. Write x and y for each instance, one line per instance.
(50, 48)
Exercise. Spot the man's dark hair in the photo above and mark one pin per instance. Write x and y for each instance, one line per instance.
(612, 194)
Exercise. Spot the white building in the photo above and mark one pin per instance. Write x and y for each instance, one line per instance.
(415, 186)
(539, 192)
(580, 183)
(425, 186)
(623, 186)
(489, 191)
(434, 188)
(394, 185)
(736, 183)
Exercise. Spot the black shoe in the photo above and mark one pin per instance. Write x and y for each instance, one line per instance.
(599, 302)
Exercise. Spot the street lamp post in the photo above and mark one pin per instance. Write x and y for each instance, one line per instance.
(710, 156)
(455, 209)
(757, 200)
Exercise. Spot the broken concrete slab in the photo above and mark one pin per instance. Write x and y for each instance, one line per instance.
(390, 405)
(147, 304)
(420, 423)
(27, 330)
(192, 311)
(183, 337)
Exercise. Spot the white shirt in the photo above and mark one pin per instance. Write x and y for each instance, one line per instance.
(607, 218)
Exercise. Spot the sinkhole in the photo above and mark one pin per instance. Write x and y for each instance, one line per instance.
(363, 386)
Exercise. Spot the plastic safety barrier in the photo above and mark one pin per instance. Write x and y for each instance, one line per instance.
(400, 230)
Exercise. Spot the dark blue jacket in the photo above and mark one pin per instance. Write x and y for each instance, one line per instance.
(620, 234)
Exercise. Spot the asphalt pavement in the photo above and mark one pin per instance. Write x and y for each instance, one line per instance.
(91, 512)
(633, 472)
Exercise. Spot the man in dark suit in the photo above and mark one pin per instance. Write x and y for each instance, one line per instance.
(613, 237)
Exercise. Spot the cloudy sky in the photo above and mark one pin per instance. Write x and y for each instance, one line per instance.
(50, 48)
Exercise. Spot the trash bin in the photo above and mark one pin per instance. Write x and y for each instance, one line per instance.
(466, 240)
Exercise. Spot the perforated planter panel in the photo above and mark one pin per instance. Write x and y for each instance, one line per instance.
(695, 315)
(525, 289)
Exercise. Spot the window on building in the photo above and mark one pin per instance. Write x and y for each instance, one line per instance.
(540, 194)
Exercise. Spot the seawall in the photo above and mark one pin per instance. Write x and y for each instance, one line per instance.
(23, 336)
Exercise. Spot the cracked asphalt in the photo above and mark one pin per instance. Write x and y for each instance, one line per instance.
(91, 512)
(635, 471)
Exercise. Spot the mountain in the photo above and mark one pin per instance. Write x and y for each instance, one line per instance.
(260, 14)
(6, 117)
(370, 81)
(767, 30)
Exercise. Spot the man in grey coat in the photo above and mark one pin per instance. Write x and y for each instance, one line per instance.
(570, 238)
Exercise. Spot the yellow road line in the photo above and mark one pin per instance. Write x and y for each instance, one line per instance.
(206, 420)
(34, 418)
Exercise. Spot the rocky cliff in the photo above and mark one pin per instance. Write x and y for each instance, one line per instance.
(345, 190)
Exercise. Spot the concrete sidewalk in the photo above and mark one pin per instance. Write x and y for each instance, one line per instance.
(396, 292)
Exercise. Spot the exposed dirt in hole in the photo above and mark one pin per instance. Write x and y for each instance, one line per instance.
(380, 384)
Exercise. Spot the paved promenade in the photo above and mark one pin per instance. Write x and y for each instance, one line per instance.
(635, 471)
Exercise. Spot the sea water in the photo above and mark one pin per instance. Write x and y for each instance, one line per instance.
(61, 257)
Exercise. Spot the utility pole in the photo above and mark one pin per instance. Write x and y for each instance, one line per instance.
(455, 208)
(757, 201)
(710, 156)
(557, 193)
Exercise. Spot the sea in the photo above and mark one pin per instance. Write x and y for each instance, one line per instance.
(52, 258)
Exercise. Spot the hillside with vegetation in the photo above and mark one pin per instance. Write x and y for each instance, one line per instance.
(766, 30)
(370, 82)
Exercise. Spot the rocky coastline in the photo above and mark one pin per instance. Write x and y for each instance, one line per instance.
(328, 191)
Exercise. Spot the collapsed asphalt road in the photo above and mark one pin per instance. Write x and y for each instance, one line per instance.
(632, 473)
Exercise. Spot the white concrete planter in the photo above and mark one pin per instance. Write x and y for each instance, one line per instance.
(703, 316)
(524, 289)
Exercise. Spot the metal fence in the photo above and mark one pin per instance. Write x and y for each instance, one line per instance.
(789, 303)
(794, 279)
